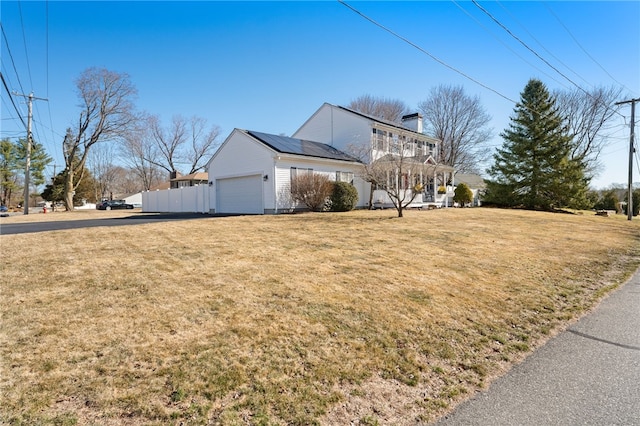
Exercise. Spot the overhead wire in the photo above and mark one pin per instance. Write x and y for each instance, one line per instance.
(9, 115)
(504, 27)
(37, 124)
(505, 44)
(6, 41)
(35, 109)
(519, 40)
(6, 87)
(53, 138)
(542, 45)
(581, 47)
(24, 39)
(438, 60)
(404, 39)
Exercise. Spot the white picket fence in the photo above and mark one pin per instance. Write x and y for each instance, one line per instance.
(188, 199)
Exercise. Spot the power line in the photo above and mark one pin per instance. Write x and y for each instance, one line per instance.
(503, 43)
(47, 45)
(437, 59)
(542, 45)
(582, 48)
(6, 41)
(47, 66)
(534, 52)
(4, 83)
(493, 18)
(53, 132)
(441, 62)
(24, 40)
(26, 55)
(38, 113)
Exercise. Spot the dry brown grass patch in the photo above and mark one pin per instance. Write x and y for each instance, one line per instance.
(302, 319)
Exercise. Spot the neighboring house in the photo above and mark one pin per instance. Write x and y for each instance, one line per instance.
(251, 172)
(198, 178)
(475, 182)
(135, 199)
(372, 139)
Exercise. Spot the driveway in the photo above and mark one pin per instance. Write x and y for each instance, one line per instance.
(8, 228)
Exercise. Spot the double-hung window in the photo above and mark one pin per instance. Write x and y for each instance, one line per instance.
(298, 172)
(344, 177)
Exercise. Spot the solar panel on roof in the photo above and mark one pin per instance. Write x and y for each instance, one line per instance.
(287, 145)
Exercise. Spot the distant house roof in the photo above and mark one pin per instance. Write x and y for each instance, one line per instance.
(198, 176)
(160, 186)
(287, 145)
(472, 180)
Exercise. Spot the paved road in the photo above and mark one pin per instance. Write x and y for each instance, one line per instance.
(135, 219)
(587, 375)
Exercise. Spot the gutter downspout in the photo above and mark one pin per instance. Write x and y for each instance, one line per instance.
(275, 192)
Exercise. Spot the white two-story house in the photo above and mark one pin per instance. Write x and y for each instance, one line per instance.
(373, 139)
(251, 172)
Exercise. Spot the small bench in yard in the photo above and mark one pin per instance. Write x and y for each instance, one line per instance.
(605, 213)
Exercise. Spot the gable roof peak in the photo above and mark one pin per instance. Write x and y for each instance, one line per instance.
(401, 126)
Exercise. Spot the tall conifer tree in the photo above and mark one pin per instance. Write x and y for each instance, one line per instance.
(533, 168)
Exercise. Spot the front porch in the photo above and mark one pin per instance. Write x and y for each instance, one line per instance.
(423, 200)
(435, 182)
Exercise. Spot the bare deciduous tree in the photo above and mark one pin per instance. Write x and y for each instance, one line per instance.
(387, 109)
(185, 141)
(128, 182)
(203, 142)
(167, 141)
(461, 123)
(104, 171)
(140, 152)
(397, 173)
(107, 115)
(587, 115)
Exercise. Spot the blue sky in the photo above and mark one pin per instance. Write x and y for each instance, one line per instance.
(267, 66)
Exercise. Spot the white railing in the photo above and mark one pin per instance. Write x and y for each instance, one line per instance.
(382, 200)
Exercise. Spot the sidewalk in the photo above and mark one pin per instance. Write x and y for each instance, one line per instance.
(587, 375)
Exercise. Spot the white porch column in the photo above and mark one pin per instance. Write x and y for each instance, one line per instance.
(435, 185)
(446, 187)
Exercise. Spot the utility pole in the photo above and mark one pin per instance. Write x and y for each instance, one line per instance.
(27, 163)
(631, 151)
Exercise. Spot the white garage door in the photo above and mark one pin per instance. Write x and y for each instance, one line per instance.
(240, 195)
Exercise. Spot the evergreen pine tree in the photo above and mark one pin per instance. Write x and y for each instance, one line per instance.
(533, 168)
(84, 191)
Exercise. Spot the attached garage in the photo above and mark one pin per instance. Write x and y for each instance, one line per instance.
(251, 171)
(241, 194)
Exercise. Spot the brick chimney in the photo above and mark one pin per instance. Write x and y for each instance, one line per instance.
(413, 122)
